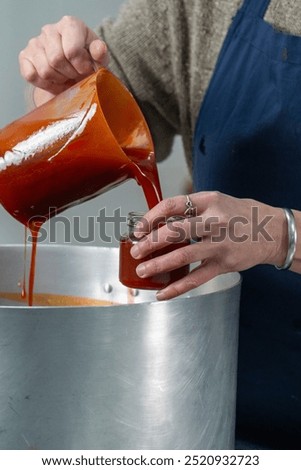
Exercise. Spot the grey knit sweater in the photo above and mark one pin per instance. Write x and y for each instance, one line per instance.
(165, 52)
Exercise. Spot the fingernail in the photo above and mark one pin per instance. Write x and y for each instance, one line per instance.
(139, 226)
(140, 270)
(138, 234)
(135, 251)
(160, 295)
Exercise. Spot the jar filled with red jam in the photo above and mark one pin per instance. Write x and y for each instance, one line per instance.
(128, 265)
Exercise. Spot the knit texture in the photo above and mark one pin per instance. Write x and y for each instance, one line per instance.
(165, 52)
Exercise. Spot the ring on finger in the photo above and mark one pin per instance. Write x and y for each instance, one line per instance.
(190, 210)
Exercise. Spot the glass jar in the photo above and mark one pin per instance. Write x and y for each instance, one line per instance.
(128, 265)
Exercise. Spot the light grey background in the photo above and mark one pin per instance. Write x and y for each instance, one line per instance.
(19, 21)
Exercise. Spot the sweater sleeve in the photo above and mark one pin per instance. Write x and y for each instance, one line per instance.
(140, 55)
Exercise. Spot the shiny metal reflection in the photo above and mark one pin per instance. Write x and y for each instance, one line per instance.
(148, 375)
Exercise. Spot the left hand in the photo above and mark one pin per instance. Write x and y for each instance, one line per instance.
(232, 235)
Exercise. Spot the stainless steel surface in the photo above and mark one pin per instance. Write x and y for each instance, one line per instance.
(144, 376)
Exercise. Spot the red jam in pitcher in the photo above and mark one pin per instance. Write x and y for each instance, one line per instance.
(128, 265)
(76, 146)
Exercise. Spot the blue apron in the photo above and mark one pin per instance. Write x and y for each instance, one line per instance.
(247, 144)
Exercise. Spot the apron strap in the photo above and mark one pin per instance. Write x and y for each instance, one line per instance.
(259, 7)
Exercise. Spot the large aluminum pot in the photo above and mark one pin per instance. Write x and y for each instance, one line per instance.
(150, 375)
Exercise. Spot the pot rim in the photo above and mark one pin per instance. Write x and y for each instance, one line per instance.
(188, 297)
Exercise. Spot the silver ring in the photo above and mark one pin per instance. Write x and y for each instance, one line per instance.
(190, 210)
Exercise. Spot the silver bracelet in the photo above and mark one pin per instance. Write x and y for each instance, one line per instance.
(292, 239)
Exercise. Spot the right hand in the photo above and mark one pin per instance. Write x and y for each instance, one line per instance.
(62, 55)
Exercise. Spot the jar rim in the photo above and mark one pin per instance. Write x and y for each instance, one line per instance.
(134, 217)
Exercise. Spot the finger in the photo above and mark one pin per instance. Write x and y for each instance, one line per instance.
(54, 52)
(170, 207)
(159, 214)
(30, 73)
(99, 52)
(175, 232)
(34, 64)
(159, 238)
(47, 57)
(75, 40)
(176, 259)
(200, 275)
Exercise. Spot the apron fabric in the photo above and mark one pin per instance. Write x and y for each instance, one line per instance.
(247, 144)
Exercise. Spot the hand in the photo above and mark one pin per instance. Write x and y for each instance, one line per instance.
(230, 235)
(62, 55)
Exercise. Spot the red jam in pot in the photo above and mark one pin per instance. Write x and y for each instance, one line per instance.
(128, 265)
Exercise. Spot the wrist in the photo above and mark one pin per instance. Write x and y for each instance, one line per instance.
(292, 240)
